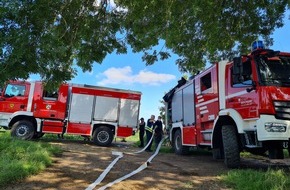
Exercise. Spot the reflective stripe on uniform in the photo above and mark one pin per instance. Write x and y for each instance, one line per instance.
(148, 129)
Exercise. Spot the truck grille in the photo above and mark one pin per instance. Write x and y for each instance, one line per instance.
(282, 109)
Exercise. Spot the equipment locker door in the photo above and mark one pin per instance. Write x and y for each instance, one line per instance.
(80, 114)
(106, 109)
(81, 108)
(129, 110)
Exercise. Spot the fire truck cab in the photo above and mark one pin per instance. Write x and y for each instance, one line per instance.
(234, 106)
(90, 111)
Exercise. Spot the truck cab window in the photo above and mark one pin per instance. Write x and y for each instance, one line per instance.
(14, 90)
(50, 95)
(205, 82)
(246, 79)
(274, 70)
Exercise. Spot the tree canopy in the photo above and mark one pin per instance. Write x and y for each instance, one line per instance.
(50, 38)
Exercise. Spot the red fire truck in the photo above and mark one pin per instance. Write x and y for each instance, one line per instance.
(90, 111)
(234, 106)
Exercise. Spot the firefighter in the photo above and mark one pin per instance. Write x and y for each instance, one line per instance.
(141, 132)
(158, 131)
(149, 129)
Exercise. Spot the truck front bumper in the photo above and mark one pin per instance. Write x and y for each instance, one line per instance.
(270, 128)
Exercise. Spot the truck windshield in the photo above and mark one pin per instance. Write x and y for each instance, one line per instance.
(274, 70)
(14, 90)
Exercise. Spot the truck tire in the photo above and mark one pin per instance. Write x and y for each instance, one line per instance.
(275, 149)
(177, 144)
(217, 153)
(23, 130)
(103, 136)
(231, 146)
(276, 153)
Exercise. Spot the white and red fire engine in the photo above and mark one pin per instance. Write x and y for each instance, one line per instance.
(98, 112)
(234, 106)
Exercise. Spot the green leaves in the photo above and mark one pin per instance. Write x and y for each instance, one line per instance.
(52, 37)
(200, 31)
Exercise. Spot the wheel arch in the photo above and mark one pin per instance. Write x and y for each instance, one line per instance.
(234, 116)
(217, 131)
(177, 145)
(175, 127)
(173, 131)
(23, 117)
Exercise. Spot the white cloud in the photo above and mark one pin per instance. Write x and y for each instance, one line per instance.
(125, 75)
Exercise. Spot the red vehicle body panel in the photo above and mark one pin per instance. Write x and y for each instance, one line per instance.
(56, 113)
(246, 105)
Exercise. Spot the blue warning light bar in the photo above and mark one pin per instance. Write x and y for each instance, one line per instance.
(257, 45)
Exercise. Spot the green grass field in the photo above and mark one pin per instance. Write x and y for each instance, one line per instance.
(19, 159)
(248, 179)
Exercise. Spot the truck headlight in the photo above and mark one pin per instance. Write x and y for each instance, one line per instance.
(275, 127)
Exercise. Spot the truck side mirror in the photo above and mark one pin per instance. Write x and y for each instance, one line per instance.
(238, 70)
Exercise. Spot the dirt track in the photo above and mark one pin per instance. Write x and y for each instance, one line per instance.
(81, 164)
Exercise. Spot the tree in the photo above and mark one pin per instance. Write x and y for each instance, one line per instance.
(200, 31)
(51, 38)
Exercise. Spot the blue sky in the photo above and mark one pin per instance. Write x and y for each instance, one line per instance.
(129, 72)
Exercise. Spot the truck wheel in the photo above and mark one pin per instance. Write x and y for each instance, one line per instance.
(217, 153)
(231, 146)
(276, 153)
(23, 129)
(177, 144)
(103, 136)
(275, 149)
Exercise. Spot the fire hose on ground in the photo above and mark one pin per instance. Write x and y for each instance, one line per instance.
(119, 156)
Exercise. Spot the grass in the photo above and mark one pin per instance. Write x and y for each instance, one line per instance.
(248, 179)
(48, 137)
(134, 138)
(252, 179)
(19, 159)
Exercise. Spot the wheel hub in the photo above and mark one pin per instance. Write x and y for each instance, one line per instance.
(103, 136)
(22, 131)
